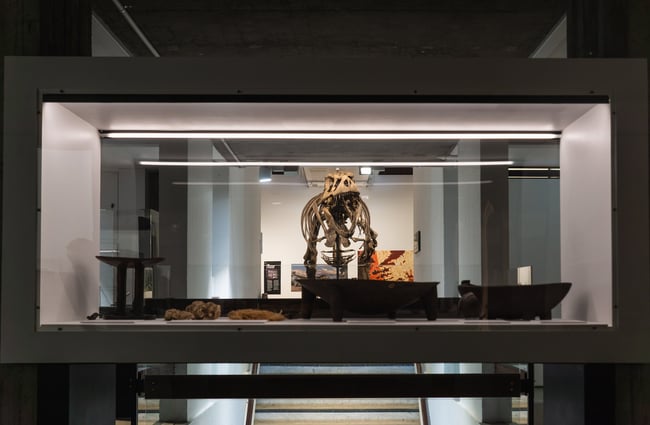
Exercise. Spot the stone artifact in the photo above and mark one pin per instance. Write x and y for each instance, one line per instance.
(254, 314)
(204, 310)
(469, 306)
(343, 218)
(198, 310)
(176, 314)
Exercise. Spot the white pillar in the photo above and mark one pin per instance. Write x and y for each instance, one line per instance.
(221, 234)
(205, 411)
(245, 233)
(428, 218)
(199, 222)
(469, 214)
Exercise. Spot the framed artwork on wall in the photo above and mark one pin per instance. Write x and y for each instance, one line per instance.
(392, 264)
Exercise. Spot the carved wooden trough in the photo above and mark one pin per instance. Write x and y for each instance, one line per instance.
(368, 297)
(511, 302)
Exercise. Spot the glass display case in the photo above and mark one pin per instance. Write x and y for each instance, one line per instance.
(484, 200)
(507, 196)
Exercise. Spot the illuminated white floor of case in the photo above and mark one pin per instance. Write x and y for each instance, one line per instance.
(224, 322)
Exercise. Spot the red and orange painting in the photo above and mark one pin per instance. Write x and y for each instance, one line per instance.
(392, 265)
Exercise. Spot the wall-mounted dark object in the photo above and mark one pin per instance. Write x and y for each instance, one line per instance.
(512, 302)
(371, 297)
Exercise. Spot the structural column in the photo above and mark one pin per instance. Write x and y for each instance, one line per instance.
(245, 233)
(469, 214)
(33, 28)
(199, 222)
(428, 219)
(495, 237)
(172, 201)
(607, 28)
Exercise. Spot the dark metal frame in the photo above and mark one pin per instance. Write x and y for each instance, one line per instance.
(333, 386)
(26, 340)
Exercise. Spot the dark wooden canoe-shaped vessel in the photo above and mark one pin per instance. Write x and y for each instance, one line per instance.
(368, 297)
(511, 302)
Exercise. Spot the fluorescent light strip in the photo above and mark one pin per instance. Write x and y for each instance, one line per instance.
(302, 184)
(329, 136)
(531, 169)
(532, 177)
(321, 164)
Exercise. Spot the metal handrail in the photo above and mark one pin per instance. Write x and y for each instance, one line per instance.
(424, 408)
(250, 407)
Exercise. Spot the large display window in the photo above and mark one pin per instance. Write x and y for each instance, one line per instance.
(479, 193)
(511, 212)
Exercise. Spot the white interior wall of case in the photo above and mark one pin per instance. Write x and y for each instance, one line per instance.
(69, 220)
(585, 216)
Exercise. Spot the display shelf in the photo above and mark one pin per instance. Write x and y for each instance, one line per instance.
(225, 324)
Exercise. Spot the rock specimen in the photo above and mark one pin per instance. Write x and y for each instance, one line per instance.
(254, 314)
(198, 310)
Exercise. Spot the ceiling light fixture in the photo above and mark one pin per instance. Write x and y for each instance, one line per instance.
(336, 135)
(322, 164)
(532, 169)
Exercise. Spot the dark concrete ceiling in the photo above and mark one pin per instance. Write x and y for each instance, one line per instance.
(358, 28)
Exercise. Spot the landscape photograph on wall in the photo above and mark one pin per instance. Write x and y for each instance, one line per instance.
(323, 271)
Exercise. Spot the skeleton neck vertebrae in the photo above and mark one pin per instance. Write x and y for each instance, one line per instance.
(344, 220)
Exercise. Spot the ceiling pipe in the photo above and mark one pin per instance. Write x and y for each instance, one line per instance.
(135, 27)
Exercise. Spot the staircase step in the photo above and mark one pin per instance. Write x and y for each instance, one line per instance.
(374, 404)
(326, 369)
(343, 411)
(328, 418)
